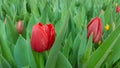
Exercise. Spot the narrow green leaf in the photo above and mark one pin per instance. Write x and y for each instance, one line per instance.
(50, 13)
(82, 49)
(26, 66)
(108, 15)
(31, 22)
(31, 58)
(67, 46)
(114, 55)
(4, 45)
(11, 31)
(34, 8)
(88, 51)
(62, 62)
(41, 5)
(117, 65)
(75, 47)
(1, 66)
(4, 62)
(44, 14)
(9, 9)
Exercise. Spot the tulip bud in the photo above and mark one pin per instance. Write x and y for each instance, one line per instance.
(42, 37)
(19, 26)
(95, 27)
(117, 9)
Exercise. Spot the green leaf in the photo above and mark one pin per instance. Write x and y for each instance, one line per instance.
(88, 51)
(31, 58)
(82, 16)
(44, 14)
(57, 44)
(26, 66)
(4, 45)
(1, 66)
(57, 27)
(31, 22)
(101, 54)
(51, 13)
(11, 31)
(75, 47)
(20, 52)
(117, 65)
(41, 4)
(4, 62)
(114, 55)
(82, 49)
(9, 9)
(67, 46)
(62, 62)
(88, 5)
(34, 8)
(108, 15)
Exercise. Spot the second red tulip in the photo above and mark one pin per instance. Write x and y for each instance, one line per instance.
(95, 27)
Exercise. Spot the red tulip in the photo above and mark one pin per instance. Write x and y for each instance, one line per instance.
(42, 37)
(117, 9)
(19, 26)
(95, 27)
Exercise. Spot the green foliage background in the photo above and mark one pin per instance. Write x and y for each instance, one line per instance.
(71, 48)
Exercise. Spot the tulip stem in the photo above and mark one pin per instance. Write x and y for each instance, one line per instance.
(46, 54)
(41, 58)
(36, 56)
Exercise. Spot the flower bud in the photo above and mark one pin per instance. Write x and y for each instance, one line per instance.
(95, 27)
(117, 9)
(42, 37)
(19, 26)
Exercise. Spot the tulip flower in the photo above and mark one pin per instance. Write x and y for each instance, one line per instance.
(117, 9)
(42, 37)
(95, 27)
(19, 27)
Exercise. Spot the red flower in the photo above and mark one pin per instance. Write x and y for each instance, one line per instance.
(117, 9)
(19, 26)
(42, 37)
(95, 27)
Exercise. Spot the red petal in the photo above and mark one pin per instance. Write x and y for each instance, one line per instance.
(51, 36)
(117, 9)
(99, 33)
(95, 27)
(39, 38)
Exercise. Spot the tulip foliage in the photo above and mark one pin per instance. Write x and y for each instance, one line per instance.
(59, 34)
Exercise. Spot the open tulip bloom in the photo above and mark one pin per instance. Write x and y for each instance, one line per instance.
(42, 37)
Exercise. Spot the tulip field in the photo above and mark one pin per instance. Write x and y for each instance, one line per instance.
(59, 33)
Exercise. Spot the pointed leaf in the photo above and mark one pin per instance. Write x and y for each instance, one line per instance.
(20, 52)
(62, 62)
